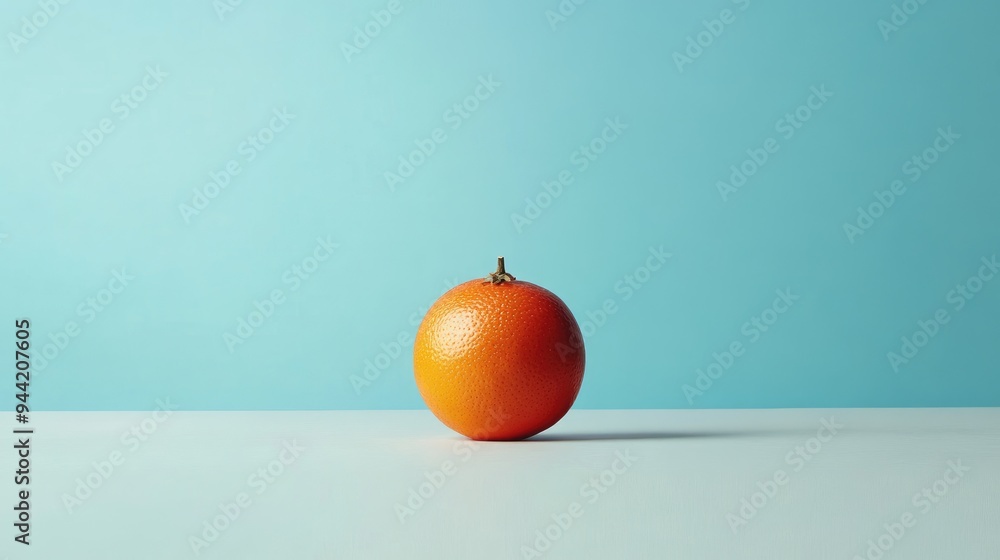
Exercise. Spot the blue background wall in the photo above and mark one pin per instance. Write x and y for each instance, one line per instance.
(356, 104)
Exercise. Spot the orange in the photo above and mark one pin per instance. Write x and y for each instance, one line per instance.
(498, 359)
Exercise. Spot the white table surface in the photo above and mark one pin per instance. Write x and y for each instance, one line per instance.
(691, 469)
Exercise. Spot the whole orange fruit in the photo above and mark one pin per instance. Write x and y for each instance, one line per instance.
(498, 359)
